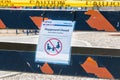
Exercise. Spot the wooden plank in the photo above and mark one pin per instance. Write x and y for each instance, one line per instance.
(75, 50)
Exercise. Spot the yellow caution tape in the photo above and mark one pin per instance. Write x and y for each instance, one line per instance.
(58, 3)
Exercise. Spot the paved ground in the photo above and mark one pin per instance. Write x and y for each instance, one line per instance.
(100, 39)
(85, 39)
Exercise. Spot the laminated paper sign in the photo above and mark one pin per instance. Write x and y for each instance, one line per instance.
(54, 42)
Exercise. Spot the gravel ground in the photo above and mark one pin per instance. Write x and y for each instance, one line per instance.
(31, 76)
(88, 39)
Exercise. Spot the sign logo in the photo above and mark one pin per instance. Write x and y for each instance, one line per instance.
(53, 46)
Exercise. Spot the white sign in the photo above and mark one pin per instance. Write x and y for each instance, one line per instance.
(54, 42)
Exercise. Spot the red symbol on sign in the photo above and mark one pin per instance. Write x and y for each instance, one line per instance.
(53, 46)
